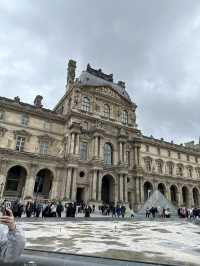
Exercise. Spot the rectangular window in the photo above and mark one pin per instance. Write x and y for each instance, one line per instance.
(148, 166)
(83, 150)
(44, 147)
(179, 155)
(169, 153)
(158, 149)
(20, 143)
(147, 148)
(24, 120)
(188, 157)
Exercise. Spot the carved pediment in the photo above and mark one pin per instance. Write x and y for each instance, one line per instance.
(22, 133)
(46, 138)
(107, 91)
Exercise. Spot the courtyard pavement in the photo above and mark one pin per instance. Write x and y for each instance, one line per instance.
(167, 241)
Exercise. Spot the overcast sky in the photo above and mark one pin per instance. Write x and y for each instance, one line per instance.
(153, 45)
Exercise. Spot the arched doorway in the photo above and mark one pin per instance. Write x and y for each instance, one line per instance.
(185, 195)
(148, 189)
(43, 183)
(162, 188)
(173, 193)
(15, 181)
(108, 189)
(195, 193)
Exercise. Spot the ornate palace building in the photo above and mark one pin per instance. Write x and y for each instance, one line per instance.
(88, 148)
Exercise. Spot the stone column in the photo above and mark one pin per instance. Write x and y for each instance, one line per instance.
(99, 185)
(30, 182)
(180, 198)
(137, 190)
(142, 189)
(68, 183)
(168, 194)
(125, 189)
(121, 189)
(94, 185)
(120, 152)
(77, 144)
(101, 148)
(72, 143)
(55, 185)
(74, 186)
(190, 198)
(136, 156)
(3, 174)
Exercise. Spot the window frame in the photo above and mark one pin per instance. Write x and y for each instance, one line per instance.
(83, 150)
(106, 110)
(24, 120)
(86, 104)
(125, 117)
(20, 143)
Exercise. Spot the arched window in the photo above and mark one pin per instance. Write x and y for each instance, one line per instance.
(108, 154)
(125, 117)
(86, 104)
(106, 110)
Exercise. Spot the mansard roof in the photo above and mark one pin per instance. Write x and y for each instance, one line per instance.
(26, 107)
(93, 77)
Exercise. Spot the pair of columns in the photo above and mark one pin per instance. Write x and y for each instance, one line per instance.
(74, 142)
(123, 188)
(122, 152)
(96, 185)
(97, 147)
(71, 184)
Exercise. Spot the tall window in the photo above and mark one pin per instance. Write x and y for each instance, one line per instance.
(180, 170)
(24, 120)
(128, 158)
(125, 117)
(20, 143)
(159, 166)
(83, 150)
(86, 104)
(179, 155)
(106, 110)
(108, 154)
(148, 165)
(44, 146)
(190, 172)
(170, 168)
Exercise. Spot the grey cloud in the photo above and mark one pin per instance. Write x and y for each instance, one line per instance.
(152, 45)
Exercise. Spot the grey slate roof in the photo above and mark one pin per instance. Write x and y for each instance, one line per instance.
(88, 79)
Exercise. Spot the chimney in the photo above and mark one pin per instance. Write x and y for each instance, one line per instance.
(121, 84)
(71, 71)
(17, 99)
(38, 101)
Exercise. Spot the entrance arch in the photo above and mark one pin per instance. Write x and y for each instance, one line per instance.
(43, 183)
(108, 189)
(148, 189)
(162, 188)
(15, 181)
(174, 194)
(195, 193)
(185, 195)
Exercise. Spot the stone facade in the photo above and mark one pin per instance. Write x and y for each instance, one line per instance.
(88, 148)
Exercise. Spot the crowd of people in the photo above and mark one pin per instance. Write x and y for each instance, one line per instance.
(190, 213)
(58, 209)
(157, 211)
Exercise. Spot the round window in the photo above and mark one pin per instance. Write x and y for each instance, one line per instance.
(82, 174)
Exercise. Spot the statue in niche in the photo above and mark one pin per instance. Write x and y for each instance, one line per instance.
(71, 71)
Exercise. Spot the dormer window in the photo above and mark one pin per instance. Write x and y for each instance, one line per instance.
(86, 104)
(24, 120)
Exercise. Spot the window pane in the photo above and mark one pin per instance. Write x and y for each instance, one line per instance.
(108, 154)
(86, 104)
